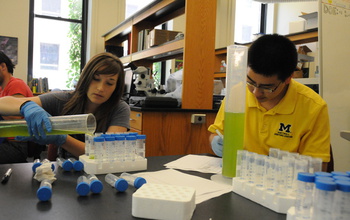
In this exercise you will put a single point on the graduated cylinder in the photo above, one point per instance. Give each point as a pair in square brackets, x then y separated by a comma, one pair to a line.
[67, 124]
[236, 77]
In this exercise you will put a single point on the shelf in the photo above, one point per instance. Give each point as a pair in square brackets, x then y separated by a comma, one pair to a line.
[166, 50]
[308, 81]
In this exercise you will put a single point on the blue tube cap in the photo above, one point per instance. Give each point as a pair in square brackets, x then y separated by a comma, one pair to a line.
[83, 189]
[44, 193]
[121, 185]
[67, 165]
[35, 165]
[78, 165]
[96, 186]
[139, 181]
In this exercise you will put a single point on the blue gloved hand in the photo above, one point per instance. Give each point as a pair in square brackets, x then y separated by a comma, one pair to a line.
[58, 140]
[217, 145]
[37, 119]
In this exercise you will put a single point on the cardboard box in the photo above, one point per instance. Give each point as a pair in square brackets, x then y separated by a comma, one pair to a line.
[311, 20]
[158, 37]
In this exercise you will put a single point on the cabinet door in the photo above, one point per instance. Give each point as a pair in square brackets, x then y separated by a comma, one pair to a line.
[172, 133]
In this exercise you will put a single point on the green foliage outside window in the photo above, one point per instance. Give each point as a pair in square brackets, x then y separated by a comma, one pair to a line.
[74, 35]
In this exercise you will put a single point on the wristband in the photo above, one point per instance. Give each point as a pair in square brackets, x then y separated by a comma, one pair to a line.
[24, 104]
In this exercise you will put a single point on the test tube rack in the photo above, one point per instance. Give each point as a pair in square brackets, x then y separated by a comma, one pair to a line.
[161, 201]
[269, 199]
[91, 166]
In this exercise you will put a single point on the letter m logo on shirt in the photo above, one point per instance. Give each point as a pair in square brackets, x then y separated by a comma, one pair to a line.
[285, 128]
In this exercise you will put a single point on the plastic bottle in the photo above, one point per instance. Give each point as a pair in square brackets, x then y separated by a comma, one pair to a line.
[120, 148]
[140, 145]
[119, 184]
[44, 192]
[323, 200]
[83, 187]
[341, 204]
[96, 185]
[65, 164]
[77, 165]
[130, 146]
[303, 201]
[133, 180]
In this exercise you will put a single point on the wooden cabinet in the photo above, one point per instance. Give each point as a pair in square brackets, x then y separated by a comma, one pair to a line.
[172, 133]
[197, 47]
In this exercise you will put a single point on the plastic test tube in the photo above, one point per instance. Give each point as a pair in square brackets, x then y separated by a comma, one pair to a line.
[36, 164]
[96, 185]
[259, 169]
[274, 152]
[140, 145]
[110, 150]
[120, 147]
[83, 187]
[269, 173]
[88, 143]
[77, 164]
[341, 203]
[130, 146]
[44, 192]
[303, 201]
[338, 173]
[280, 181]
[323, 200]
[119, 184]
[133, 180]
[65, 164]
[289, 175]
[99, 142]
[239, 163]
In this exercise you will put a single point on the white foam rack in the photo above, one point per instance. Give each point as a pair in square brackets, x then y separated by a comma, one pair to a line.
[91, 166]
[269, 199]
[160, 201]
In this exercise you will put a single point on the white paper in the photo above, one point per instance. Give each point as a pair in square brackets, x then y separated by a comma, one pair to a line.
[200, 163]
[205, 189]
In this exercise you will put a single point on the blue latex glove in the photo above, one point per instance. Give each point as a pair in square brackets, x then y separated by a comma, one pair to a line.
[37, 119]
[217, 145]
[58, 140]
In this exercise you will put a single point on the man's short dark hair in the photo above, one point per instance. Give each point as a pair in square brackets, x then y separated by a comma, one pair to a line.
[271, 55]
[5, 59]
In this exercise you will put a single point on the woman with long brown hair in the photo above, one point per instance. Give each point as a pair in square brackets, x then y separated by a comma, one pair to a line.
[98, 91]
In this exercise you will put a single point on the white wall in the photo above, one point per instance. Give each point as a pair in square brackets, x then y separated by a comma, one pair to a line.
[14, 16]
[286, 12]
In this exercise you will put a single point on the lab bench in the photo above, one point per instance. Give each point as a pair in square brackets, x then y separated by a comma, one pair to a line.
[19, 200]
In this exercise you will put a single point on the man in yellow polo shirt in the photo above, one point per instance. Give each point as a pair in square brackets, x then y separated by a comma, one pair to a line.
[280, 112]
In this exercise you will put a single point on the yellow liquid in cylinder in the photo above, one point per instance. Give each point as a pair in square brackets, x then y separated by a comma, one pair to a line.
[233, 141]
[22, 130]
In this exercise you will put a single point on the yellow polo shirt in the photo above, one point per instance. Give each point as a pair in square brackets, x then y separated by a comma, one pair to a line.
[298, 123]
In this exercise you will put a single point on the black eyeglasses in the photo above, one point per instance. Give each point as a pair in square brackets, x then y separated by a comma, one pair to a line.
[264, 89]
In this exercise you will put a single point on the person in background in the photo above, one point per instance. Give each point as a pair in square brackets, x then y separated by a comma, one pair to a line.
[98, 91]
[280, 112]
[12, 151]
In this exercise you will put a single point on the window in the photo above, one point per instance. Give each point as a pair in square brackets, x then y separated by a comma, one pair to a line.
[57, 41]
[132, 6]
[49, 56]
[248, 20]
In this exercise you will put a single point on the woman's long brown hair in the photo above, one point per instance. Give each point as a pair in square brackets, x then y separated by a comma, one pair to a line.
[103, 64]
